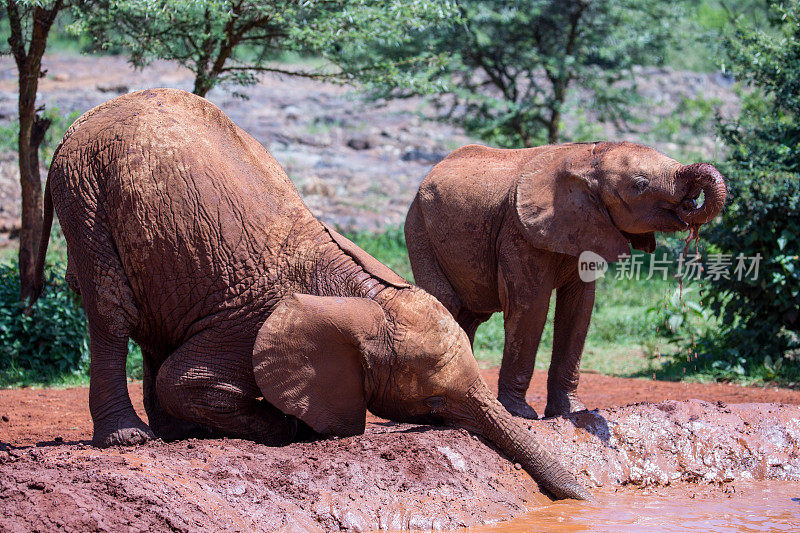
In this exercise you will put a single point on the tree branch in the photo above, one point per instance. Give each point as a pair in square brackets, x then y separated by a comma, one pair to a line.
[15, 40]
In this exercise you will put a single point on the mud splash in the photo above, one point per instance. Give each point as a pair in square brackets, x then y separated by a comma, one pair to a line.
[397, 476]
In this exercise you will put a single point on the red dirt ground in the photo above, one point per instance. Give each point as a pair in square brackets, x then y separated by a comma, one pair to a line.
[395, 476]
[42, 415]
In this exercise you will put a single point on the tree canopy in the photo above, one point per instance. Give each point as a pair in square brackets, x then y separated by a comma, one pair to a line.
[230, 42]
[511, 64]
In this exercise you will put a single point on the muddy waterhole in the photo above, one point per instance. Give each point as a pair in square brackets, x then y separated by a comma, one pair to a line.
[757, 506]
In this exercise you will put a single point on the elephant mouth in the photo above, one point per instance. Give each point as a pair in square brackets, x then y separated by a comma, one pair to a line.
[671, 221]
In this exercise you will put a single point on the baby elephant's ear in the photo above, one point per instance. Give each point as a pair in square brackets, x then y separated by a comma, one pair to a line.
[557, 209]
[308, 360]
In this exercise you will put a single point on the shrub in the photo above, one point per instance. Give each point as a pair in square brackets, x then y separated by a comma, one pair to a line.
[760, 331]
[50, 341]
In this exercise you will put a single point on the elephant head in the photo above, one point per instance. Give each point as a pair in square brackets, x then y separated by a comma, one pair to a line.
[602, 196]
[326, 360]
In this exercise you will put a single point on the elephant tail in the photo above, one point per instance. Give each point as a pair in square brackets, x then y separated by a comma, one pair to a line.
[44, 240]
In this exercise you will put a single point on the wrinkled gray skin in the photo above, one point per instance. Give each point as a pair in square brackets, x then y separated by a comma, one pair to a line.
[184, 234]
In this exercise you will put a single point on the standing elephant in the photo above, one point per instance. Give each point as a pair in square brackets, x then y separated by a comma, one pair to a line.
[255, 320]
[498, 230]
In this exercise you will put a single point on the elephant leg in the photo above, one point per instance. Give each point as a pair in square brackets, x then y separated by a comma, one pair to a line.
[523, 329]
[428, 273]
[469, 322]
[574, 303]
[164, 426]
[70, 277]
[209, 381]
[111, 312]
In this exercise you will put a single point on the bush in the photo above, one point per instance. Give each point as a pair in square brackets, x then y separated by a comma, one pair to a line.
[760, 331]
[49, 342]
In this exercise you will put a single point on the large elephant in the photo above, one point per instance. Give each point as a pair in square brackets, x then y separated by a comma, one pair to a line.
[256, 320]
[498, 230]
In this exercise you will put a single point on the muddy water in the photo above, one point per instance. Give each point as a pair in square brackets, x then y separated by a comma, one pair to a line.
[762, 506]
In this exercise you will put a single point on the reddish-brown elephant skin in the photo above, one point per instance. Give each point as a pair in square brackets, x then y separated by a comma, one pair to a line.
[255, 320]
[498, 230]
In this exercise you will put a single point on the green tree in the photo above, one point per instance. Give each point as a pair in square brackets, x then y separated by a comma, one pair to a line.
[29, 23]
[761, 317]
[512, 64]
[232, 41]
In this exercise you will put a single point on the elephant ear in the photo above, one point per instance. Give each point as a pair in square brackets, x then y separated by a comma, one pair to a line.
[645, 242]
[309, 356]
[557, 210]
[366, 261]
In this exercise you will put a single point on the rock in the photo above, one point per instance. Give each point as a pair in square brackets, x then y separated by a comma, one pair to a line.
[292, 112]
[119, 88]
[428, 156]
[360, 143]
[319, 187]
[37, 485]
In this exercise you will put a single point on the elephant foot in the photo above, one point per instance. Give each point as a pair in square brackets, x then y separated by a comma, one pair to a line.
[562, 405]
[124, 431]
[518, 407]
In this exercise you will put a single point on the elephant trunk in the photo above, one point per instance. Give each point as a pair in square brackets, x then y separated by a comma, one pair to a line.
[504, 431]
[703, 177]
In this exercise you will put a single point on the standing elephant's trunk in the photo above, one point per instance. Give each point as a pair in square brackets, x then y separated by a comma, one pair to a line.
[501, 428]
[703, 177]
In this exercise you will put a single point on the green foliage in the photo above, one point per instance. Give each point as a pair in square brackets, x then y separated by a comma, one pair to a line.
[511, 65]
[49, 342]
[761, 318]
[681, 316]
[388, 247]
[693, 118]
[230, 41]
[59, 122]
[702, 27]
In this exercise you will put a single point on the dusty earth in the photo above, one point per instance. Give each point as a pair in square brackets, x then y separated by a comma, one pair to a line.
[396, 476]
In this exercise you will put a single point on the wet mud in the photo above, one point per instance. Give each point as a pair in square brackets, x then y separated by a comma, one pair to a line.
[736, 507]
[395, 476]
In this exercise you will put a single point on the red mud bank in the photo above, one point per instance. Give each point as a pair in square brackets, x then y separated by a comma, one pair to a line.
[396, 476]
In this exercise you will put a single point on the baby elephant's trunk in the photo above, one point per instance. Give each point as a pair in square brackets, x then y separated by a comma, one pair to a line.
[706, 178]
[500, 427]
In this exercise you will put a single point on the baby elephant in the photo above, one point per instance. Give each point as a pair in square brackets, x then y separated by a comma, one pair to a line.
[498, 230]
[256, 320]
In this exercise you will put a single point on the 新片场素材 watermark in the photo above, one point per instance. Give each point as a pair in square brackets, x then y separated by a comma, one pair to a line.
[690, 267]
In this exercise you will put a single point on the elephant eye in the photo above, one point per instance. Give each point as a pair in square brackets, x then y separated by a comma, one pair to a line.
[435, 403]
[640, 183]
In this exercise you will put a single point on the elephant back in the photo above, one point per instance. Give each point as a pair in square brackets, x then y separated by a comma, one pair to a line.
[197, 208]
